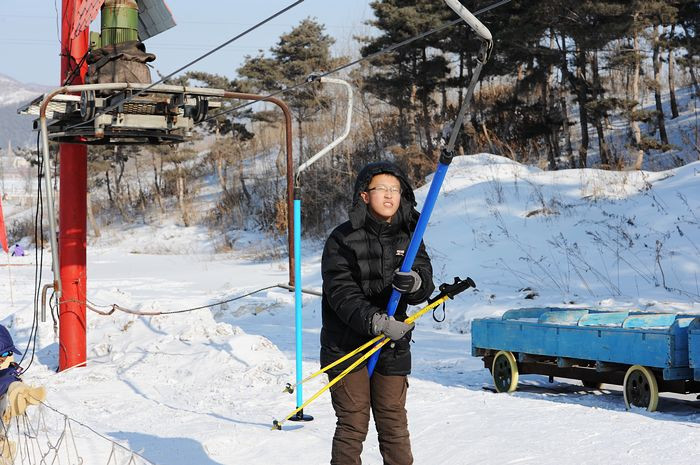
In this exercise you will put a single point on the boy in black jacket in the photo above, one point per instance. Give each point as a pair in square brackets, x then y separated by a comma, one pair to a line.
[359, 267]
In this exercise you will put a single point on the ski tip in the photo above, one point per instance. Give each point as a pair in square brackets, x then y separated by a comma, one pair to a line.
[289, 388]
[276, 425]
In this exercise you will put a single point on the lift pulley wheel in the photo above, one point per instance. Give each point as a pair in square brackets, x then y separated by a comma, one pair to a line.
[87, 105]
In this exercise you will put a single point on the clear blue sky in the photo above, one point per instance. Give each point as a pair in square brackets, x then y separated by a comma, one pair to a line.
[29, 37]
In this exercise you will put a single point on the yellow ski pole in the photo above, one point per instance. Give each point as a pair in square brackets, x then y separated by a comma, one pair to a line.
[290, 387]
[278, 424]
[447, 291]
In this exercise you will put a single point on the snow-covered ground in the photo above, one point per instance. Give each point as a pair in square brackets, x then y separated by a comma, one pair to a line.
[203, 387]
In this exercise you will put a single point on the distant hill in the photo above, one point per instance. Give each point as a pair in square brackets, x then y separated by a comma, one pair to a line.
[13, 127]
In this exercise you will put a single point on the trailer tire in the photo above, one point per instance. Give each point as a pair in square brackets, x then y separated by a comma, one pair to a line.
[640, 388]
[505, 371]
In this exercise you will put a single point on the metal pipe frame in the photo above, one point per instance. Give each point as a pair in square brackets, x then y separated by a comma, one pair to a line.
[338, 140]
[300, 416]
[290, 167]
[167, 89]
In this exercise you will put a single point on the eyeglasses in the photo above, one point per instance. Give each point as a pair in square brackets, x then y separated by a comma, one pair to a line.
[7, 353]
[382, 189]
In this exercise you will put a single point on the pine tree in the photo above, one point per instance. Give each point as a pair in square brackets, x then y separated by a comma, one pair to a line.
[407, 77]
[689, 22]
[525, 48]
[298, 54]
[652, 16]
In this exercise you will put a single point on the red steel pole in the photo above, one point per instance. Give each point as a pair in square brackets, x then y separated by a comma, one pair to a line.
[72, 238]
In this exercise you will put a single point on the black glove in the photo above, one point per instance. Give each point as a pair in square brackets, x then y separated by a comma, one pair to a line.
[390, 327]
[406, 282]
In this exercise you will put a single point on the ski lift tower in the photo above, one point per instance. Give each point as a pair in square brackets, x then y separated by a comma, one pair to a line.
[118, 106]
[76, 121]
[72, 242]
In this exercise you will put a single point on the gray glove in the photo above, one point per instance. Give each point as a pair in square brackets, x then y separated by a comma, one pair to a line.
[406, 282]
[390, 327]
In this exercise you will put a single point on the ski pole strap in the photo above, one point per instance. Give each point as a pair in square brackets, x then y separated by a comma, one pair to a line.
[444, 314]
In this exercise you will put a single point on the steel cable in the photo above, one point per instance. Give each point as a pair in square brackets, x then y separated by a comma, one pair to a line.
[116, 307]
[391, 48]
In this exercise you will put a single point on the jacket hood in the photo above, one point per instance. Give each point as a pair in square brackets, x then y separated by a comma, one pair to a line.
[6, 342]
[406, 216]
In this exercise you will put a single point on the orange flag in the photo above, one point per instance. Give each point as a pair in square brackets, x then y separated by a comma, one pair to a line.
[3, 232]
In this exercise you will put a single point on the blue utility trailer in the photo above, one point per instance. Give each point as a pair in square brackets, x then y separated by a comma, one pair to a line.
[694, 347]
[643, 352]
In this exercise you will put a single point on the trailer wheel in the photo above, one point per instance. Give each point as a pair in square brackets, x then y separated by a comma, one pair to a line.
[640, 388]
[505, 371]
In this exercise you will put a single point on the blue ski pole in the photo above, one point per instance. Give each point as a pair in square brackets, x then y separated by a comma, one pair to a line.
[445, 159]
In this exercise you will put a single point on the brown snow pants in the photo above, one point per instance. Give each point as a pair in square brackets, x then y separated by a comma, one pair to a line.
[352, 398]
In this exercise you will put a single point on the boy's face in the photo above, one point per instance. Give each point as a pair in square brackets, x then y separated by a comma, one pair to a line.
[383, 196]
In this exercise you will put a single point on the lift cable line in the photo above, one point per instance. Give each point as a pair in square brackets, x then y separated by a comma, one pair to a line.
[391, 48]
[182, 68]
[38, 262]
[115, 307]
[109, 309]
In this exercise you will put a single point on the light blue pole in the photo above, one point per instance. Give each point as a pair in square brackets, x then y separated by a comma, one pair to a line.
[421, 226]
[297, 244]
[297, 294]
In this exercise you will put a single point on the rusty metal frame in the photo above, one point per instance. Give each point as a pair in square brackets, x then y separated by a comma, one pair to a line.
[163, 88]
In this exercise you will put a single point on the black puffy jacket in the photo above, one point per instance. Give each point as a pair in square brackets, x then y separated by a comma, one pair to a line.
[359, 261]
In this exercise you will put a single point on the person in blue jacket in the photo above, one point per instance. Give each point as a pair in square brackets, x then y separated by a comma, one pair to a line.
[9, 372]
